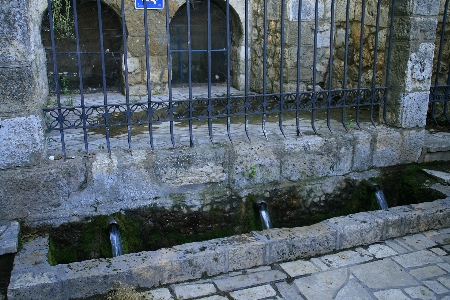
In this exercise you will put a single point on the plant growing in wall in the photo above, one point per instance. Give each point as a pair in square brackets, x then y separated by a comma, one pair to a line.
[62, 20]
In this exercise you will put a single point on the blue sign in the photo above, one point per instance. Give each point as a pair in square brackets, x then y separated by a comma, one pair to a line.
[151, 4]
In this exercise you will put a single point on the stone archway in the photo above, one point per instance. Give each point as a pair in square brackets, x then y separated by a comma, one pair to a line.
[90, 49]
[199, 42]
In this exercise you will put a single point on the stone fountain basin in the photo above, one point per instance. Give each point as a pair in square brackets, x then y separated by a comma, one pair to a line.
[34, 278]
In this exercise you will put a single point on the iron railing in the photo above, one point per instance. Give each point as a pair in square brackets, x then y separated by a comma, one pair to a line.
[300, 87]
[440, 88]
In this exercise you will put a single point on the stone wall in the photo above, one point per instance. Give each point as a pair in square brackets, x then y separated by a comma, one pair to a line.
[199, 178]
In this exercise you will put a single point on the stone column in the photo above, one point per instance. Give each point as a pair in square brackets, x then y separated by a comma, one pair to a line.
[23, 84]
[415, 24]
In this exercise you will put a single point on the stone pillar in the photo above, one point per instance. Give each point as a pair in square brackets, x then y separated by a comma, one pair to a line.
[23, 85]
[415, 24]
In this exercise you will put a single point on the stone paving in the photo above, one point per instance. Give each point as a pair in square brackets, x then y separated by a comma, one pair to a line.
[412, 267]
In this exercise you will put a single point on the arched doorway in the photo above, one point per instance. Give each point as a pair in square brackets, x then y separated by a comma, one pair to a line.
[89, 33]
[199, 43]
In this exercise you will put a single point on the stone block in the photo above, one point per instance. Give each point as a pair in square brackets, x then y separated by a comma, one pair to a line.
[393, 223]
[253, 164]
[425, 7]
[362, 150]
[289, 244]
[304, 158]
[244, 251]
[430, 215]
[9, 237]
[413, 141]
[387, 151]
[201, 259]
[357, 229]
[418, 76]
[307, 10]
[21, 141]
[36, 284]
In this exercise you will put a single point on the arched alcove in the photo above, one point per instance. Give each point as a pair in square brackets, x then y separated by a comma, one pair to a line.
[89, 34]
[199, 42]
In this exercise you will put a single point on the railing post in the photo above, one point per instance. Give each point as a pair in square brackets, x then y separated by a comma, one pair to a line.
[413, 46]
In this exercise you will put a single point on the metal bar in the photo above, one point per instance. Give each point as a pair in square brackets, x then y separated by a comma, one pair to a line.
[228, 70]
[375, 60]
[281, 100]
[247, 74]
[388, 64]
[299, 43]
[83, 110]
[189, 44]
[125, 61]
[149, 87]
[105, 96]
[330, 66]
[169, 74]
[361, 45]
[314, 95]
[344, 82]
[263, 123]
[210, 105]
[56, 75]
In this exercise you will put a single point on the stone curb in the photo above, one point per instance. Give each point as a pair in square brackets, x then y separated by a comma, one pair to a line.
[33, 278]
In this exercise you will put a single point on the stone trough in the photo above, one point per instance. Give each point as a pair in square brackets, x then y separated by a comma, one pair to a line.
[34, 278]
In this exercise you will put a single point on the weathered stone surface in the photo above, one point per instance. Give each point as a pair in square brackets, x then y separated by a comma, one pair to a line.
[346, 258]
[417, 259]
[357, 229]
[186, 291]
[382, 274]
[9, 237]
[241, 281]
[288, 244]
[258, 292]
[21, 141]
[322, 286]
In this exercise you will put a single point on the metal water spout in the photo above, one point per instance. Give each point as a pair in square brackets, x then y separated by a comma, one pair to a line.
[379, 195]
[265, 218]
[114, 237]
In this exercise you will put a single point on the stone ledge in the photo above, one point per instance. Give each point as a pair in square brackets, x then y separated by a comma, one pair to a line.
[33, 278]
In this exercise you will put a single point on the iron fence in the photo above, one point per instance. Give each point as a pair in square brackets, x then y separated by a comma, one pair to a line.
[440, 88]
[281, 61]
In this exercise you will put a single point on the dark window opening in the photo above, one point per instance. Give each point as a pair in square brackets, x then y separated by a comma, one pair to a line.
[199, 44]
[89, 34]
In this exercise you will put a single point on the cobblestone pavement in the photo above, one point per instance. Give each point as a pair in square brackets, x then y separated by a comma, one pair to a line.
[411, 267]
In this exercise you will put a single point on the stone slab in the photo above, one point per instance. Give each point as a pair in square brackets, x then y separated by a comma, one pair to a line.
[391, 295]
[427, 272]
[9, 237]
[289, 291]
[420, 292]
[435, 286]
[299, 267]
[186, 291]
[418, 241]
[444, 176]
[381, 251]
[346, 258]
[241, 281]
[322, 286]
[383, 274]
[417, 259]
[258, 292]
